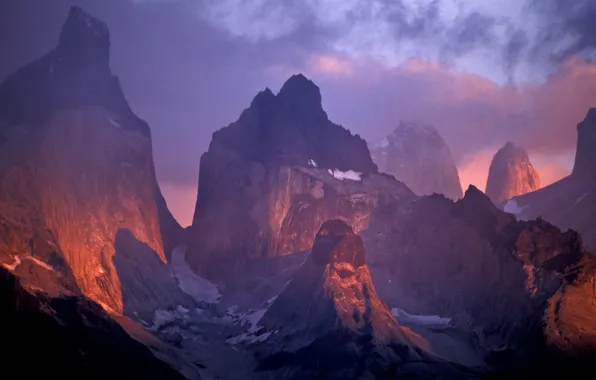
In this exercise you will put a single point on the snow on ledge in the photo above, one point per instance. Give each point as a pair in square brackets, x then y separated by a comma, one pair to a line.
[14, 265]
[350, 175]
[18, 260]
[433, 321]
[312, 163]
[195, 286]
[511, 207]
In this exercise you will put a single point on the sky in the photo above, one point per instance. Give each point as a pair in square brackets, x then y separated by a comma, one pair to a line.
[483, 72]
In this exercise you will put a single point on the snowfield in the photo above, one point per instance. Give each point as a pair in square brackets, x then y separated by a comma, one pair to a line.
[195, 286]
[430, 321]
[350, 175]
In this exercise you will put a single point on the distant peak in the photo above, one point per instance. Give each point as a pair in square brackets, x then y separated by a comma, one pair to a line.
[473, 191]
[511, 151]
[336, 242]
[84, 36]
[300, 90]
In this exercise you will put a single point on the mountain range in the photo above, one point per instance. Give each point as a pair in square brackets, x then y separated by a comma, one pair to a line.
[304, 259]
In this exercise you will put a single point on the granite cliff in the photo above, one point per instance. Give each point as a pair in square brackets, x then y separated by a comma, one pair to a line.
[270, 179]
[417, 155]
[510, 174]
[81, 208]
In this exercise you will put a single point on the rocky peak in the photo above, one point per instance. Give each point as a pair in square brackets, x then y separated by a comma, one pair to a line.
[478, 211]
[302, 93]
[291, 128]
[331, 298]
[75, 74]
[337, 243]
[85, 39]
[417, 155]
[83, 157]
[511, 173]
[585, 156]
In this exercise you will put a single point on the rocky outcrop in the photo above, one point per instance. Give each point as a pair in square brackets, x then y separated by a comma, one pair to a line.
[513, 284]
[68, 337]
[511, 174]
[568, 202]
[76, 169]
[269, 180]
[330, 323]
[417, 155]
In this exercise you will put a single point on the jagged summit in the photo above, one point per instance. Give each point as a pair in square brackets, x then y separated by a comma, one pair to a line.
[76, 73]
[303, 93]
[86, 36]
[585, 155]
[291, 128]
[417, 155]
[511, 173]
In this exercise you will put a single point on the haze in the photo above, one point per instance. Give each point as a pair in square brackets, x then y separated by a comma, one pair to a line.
[481, 72]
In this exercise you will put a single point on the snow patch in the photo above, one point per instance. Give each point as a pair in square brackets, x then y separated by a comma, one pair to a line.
[341, 175]
[511, 207]
[581, 198]
[433, 321]
[195, 286]
[18, 260]
[114, 122]
[14, 265]
[39, 262]
[162, 317]
[312, 163]
[250, 318]
[248, 338]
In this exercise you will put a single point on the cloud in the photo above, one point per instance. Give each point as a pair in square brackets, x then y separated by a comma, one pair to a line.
[568, 26]
[503, 40]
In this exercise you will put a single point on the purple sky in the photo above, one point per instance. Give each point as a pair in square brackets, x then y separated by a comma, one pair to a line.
[482, 72]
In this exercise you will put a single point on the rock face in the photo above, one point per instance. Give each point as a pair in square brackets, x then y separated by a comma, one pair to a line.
[69, 337]
[418, 156]
[329, 322]
[511, 174]
[516, 285]
[568, 202]
[77, 176]
[269, 180]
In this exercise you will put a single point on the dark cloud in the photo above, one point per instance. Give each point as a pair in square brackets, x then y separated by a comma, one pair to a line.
[568, 27]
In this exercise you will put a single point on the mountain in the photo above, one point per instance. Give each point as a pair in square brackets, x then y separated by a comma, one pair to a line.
[68, 337]
[81, 211]
[329, 322]
[519, 288]
[511, 173]
[568, 202]
[417, 155]
[270, 179]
